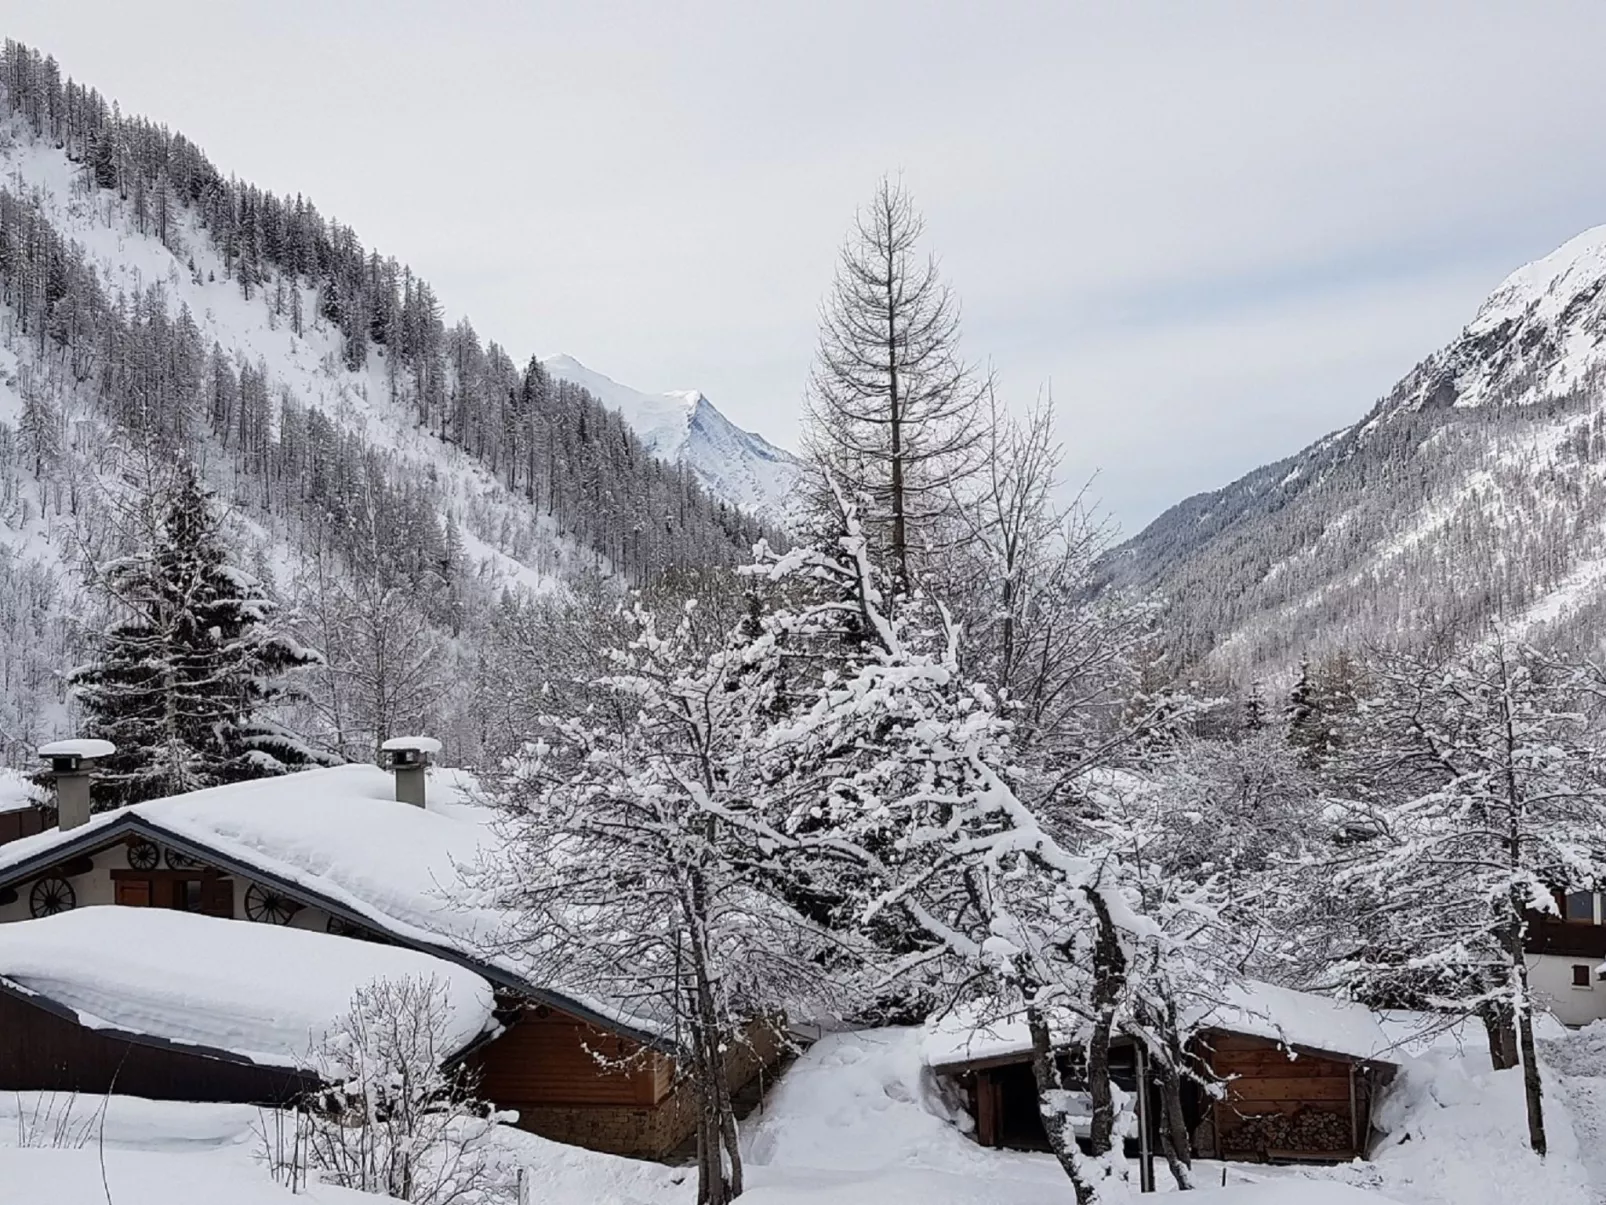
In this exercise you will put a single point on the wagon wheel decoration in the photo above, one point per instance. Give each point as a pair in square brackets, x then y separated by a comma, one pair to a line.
[268, 906]
[178, 861]
[50, 896]
[143, 855]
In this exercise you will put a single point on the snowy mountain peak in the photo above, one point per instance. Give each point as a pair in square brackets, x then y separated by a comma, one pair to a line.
[1548, 284]
[1475, 489]
[683, 426]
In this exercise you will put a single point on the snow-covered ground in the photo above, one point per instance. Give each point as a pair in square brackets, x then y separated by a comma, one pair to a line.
[857, 1121]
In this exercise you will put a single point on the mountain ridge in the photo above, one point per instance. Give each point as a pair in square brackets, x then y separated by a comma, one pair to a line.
[1474, 491]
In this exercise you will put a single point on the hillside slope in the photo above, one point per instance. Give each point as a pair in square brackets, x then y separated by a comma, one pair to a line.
[370, 452]
[684, 427]
[1476, 489]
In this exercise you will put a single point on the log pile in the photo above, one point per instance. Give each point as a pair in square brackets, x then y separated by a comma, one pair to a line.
[1307, 1130]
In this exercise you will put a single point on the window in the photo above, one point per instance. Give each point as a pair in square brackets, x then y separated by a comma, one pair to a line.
[1581, 975]
[187, 895]
[1581, 907]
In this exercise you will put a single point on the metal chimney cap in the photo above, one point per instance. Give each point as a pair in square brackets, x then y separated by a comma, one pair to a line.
[69, 756]
[404, 751]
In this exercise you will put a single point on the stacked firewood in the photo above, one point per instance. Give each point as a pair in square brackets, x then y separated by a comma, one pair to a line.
[1307, 1130]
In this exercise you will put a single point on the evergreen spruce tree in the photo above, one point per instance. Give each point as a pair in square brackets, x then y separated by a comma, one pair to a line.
[182, 676]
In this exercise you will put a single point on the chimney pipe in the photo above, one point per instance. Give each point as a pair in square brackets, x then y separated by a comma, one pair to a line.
[409, 758]
[72, 765]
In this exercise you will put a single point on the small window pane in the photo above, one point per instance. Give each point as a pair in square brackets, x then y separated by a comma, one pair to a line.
[1581, 905]
[1580, 975]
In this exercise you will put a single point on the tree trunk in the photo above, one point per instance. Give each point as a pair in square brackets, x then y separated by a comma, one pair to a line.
[1051, 1100]
[1175, 1141]
[1109, 976]
[1502, 1034]
[1533, 1091]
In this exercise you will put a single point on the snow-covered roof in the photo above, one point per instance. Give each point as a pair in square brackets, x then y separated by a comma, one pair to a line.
[263, 993]
[83, 747]
[16, 792]
[338, 837]
[1257, 1009]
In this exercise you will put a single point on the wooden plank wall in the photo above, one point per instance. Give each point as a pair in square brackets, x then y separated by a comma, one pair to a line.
[40, 1051]
[549, 1057]
[1264, 1079]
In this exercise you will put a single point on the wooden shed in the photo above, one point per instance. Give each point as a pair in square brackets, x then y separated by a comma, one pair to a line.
[1300, 1075]
[1285, 1102]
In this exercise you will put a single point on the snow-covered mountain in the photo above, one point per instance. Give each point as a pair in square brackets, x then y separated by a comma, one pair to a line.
[359, 440]
[684, 427]
[1475, 490]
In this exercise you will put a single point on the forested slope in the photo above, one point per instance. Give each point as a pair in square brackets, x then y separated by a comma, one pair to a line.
[1475, 490]
[377, 457]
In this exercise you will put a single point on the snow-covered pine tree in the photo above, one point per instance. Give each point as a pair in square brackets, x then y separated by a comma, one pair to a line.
[187, 671]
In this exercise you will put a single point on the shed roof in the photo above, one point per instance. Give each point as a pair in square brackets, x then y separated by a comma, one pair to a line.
[961, 1041]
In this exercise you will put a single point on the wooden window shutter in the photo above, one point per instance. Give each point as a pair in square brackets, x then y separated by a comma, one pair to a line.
[134, 893]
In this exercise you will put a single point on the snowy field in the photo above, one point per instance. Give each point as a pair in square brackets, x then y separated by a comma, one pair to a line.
[853, 1121]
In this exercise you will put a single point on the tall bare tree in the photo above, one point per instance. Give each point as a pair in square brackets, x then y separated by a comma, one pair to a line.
[893, 412]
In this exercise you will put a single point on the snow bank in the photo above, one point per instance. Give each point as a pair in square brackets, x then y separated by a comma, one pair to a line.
[261, 992]
[1457, 1135]
[87, 1177]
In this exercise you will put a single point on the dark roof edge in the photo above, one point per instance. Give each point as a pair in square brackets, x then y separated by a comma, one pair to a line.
[27, 995]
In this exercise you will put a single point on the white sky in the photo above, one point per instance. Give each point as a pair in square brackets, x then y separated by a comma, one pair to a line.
[1220, 229]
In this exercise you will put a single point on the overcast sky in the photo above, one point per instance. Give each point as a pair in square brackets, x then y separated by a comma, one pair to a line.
[1220, 230]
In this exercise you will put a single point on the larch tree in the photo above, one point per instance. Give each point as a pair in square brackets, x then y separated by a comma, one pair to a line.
[893, 412]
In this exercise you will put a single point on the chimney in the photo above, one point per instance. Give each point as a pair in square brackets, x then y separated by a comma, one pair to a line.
[409, 757]
[72, 764]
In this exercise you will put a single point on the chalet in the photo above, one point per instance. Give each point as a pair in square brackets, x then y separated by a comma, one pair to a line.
[362, 854]
[1566, 950]
[174, 1005]
[1302, 1075]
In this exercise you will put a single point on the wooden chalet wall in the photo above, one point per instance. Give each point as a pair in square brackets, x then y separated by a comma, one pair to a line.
[1312, 1106]
[41, 1051]
[546, 1066]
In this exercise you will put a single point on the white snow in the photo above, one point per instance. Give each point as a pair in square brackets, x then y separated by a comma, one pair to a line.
[16, 792]
[411, 744]
[1255, 1008]
[858, 1119]
[261, 992]
[88, 1176]
[339, 833]
[1548, 283]
[683, 426]
[82, 747]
